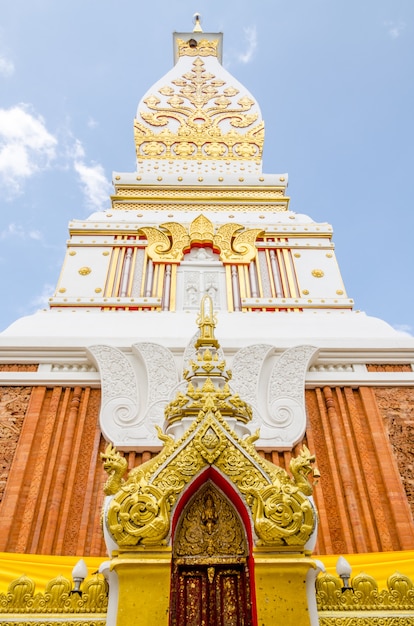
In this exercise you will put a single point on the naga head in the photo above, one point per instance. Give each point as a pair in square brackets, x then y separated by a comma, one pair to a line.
[301, 467]
[115, 465]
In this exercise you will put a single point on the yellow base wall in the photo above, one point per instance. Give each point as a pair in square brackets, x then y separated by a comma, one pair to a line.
[144, 587]
[281, 589]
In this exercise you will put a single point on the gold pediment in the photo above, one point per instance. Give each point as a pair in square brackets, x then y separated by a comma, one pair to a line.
[141, 510]
[197, 116]
[234, 243]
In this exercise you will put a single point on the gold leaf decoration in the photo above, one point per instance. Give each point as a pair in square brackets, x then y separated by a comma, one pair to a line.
[200, 112]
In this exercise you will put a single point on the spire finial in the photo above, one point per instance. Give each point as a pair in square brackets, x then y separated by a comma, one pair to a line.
[197, 23]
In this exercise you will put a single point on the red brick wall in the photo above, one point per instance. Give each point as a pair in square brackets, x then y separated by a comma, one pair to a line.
[53, 497]
[362, 503]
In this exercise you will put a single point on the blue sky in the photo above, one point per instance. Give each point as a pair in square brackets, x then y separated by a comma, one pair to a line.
[335, 82]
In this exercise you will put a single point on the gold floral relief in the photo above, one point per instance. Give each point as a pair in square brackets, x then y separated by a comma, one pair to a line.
[209, 526]
[140, 512]
[200, 111]
[201, 230]
[169, 243]
[202, 48]
[364, 594]
[57, 597]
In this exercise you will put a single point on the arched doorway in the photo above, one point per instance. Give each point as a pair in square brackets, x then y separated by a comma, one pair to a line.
[210, 583]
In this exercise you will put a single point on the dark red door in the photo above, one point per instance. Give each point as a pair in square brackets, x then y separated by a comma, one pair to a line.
[207, 595]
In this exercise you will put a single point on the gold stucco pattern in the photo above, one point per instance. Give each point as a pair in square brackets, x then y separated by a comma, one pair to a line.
[210, 527]
[57, 598]
[364, 604]
[140, 511]
[168, 243]
[199, 118]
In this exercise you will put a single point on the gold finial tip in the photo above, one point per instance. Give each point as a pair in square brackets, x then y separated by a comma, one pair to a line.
[197, 23]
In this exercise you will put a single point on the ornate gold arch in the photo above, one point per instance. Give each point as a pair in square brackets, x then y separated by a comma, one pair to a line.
[169, 243]
[140, 512]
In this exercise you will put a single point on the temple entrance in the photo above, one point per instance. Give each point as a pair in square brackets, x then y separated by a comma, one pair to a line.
[210, 576]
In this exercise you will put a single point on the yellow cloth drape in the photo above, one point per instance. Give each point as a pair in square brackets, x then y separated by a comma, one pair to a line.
[379, 565]
[41, 568]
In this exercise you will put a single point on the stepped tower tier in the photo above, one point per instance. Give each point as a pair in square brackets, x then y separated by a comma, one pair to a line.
[198, 117]
[198, 216]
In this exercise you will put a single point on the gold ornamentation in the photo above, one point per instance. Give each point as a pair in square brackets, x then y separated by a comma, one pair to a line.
[72, 253]
[301, 467]
[140, 510]
[164, 248]
[318, 273]
[115, 466]
[203, 111]
[140, 515]
[305, 292]
[193, 48]
[98, 290]
[201, 230]
[209, 526]
[210, 441]
[84, 271]
[170, 246]
[62, 290]
[281, 517]
[340, 292]
[365, 596]
[366, 620]
[21, 597]
[234, 248]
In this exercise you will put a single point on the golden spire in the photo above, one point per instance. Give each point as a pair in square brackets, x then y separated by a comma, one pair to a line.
[197, 23]
[208, 380]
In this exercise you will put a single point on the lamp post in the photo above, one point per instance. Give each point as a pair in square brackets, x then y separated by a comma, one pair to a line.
[79, 573]
[343, 569]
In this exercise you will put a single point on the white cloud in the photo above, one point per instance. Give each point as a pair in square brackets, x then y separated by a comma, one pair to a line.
[6, 66]
[95, 186]
[394, 29]
[16, 230]
[26, 146]
[405, 329]
[250, 35]
[41, 301]
[92, 123]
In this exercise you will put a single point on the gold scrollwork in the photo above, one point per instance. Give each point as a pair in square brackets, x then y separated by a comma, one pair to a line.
[202, 48]
[203, 113]
[169, 246]
[365, 595]
[21, 597]
[140, 515]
